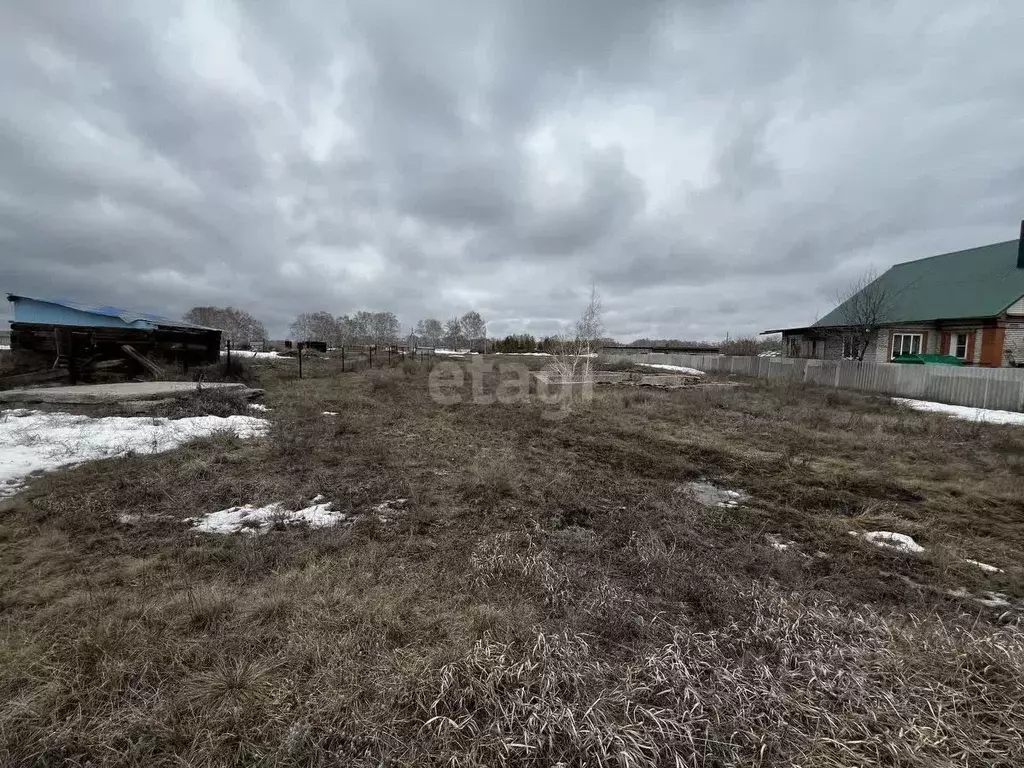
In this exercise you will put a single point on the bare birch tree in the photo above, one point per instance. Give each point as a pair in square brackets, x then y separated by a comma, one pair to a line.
[474, 328]
[239, 327]
[864, 306]
[315, 326]
[453, 333]
[573, 359]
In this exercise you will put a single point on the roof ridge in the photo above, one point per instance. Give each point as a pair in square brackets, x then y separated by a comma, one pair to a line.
[954, 253]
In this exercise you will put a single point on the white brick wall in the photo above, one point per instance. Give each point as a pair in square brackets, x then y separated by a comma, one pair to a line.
[931, 342]
[1015, 340]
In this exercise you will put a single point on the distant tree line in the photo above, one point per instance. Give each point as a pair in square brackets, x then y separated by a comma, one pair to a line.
[359, 328]
[237, 325]
[671, 343]
[470, 330]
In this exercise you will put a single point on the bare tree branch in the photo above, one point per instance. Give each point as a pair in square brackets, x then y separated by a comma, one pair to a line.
[863, 306]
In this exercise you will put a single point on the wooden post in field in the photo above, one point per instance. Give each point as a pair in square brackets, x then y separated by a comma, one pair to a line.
[342, 359]
[389, 357]
[300, 359]
[72, 365]
[227, 365]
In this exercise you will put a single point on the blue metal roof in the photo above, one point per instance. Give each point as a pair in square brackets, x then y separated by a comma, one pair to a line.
[137, 319]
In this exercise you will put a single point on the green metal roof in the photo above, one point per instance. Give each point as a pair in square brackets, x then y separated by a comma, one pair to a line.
[976, 283]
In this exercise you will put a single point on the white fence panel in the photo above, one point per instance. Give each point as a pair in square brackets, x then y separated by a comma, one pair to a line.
[999, 388]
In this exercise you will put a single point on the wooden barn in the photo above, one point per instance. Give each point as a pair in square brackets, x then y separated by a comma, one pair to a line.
[86, 342]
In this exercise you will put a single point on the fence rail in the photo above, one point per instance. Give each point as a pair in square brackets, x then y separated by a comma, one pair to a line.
[999, 388]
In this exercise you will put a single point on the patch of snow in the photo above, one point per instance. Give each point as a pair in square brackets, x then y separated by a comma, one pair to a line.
[253, 355]
[330, 413]
[125, 519]
[259, 407]
[262, 519]
[525, 354]
[987, 598]
[34, 441]
[390, 505]
[710, 495]
[777, 543]
[994, 600]
[898, 541]
[674, 368]
[986, 415]
[4, 346]
[985, 566]
[453, 352]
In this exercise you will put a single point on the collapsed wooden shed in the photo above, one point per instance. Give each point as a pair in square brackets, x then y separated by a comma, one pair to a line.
[83, 342]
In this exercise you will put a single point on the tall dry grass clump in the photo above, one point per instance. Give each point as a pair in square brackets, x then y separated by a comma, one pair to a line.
[798, 682]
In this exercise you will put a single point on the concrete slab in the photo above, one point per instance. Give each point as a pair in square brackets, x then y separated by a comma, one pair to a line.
[116, 393]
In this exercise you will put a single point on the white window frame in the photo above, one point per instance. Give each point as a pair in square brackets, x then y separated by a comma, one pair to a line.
[954, 345]
[897, 350]
[854, 346]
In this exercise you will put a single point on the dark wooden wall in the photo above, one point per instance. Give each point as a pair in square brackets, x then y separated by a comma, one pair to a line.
[80, 346]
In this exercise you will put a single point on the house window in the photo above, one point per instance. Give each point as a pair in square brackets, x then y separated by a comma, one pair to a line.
[960, 345]
[906, 344]
[851, 348]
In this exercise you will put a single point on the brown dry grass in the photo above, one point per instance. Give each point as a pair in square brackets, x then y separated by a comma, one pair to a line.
[549, 594]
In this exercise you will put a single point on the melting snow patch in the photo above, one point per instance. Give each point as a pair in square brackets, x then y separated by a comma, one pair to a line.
[330, 413]
[985, 566]
[964, 412]
[259, 407]
[710, 495]
[33, 441]
[263, 519]
[674, 368]
[250, 355]
[777, 543]
[994, 600]
[898, 541]
[388, 507]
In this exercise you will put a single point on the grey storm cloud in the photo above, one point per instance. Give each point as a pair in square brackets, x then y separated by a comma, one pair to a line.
[713, 167]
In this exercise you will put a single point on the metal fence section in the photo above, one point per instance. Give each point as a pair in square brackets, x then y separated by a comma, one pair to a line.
[999, 388]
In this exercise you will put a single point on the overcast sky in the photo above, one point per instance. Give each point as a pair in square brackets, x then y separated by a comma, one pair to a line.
[713, 166]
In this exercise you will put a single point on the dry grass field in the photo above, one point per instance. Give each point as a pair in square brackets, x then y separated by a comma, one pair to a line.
[548, 592]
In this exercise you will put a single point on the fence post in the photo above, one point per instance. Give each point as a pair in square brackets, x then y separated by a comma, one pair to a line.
[300, 359]
[342, 359]
[227, 365]
[72, 364]
[389, 357]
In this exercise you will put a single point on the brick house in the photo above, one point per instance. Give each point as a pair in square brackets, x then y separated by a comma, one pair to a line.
[969, 304]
